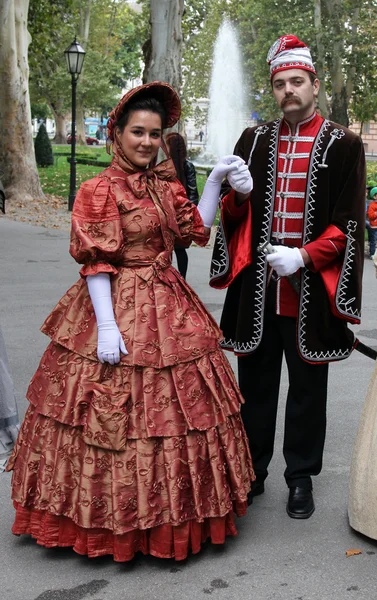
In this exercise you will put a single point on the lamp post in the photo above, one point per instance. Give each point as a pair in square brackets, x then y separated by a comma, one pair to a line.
[74, 55]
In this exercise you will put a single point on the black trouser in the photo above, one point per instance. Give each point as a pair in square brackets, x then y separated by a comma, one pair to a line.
[182, 260]
[305, 414]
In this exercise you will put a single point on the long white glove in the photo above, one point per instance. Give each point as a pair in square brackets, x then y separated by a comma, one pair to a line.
[240, 179]
[211, 193]
[110, 342]
[285, 261]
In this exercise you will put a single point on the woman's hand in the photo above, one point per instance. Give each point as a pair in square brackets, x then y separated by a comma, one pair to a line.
[211, 193]
[110, 343]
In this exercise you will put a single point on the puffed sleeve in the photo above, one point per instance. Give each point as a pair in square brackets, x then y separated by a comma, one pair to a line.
[96, 232]
[190, 223]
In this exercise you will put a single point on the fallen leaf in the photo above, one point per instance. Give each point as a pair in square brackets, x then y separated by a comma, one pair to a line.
[353, 552]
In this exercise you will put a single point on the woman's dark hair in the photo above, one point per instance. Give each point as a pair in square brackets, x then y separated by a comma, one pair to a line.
[178, 153]
[140, 103]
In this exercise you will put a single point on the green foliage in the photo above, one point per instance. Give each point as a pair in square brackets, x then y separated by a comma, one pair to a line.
[40, 111]
[52, 27]
[113, 52]
[200, 24]
[193, 153]
[372, 173]
[43, 148]
[348, 37]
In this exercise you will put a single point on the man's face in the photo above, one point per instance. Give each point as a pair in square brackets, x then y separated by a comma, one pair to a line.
[294, 93]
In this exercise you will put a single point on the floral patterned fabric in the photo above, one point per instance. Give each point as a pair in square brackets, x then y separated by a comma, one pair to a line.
[149, 454]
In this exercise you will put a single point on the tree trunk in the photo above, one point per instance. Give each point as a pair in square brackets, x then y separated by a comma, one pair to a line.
[339, 103]
[351, 72]
[84, 35]
[80, 125]
[60, 126]
[18, 168]
[322, 99]
[166, 36]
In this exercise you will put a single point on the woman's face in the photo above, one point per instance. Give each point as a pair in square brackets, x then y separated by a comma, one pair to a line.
[141, 137]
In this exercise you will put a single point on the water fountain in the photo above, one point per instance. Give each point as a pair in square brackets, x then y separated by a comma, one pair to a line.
[227, 108]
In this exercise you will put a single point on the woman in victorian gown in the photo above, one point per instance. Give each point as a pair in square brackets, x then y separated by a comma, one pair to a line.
[133, 439]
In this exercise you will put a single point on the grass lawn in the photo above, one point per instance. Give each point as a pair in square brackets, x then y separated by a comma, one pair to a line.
[55, 179]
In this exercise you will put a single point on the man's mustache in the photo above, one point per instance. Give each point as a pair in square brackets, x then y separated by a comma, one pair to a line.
[289, 98]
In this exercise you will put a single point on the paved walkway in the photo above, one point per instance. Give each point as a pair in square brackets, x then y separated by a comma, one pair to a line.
[273, 557]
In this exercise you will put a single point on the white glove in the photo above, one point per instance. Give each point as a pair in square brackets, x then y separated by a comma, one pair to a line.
[211, 193]
[240, 179]
[285, 261]
[110, 342]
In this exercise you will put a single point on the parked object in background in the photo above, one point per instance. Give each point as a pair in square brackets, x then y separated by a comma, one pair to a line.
[2, 198]
[91, 141]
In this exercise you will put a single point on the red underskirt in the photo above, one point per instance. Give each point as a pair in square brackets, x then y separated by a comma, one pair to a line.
[164, 541]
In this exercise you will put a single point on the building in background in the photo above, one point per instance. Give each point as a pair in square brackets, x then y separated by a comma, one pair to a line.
[368, 135]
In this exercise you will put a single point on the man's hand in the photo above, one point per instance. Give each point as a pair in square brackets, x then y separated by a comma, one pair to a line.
[224, 166]
[240, 179]
[285, 261]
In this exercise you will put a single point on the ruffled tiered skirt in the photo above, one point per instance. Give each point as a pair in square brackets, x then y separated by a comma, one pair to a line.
[132, 457]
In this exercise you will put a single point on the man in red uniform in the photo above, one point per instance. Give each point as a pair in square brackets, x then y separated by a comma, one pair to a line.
[307, 176]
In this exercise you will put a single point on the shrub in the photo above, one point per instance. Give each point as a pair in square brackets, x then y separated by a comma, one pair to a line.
[43, 149]
[193, 153]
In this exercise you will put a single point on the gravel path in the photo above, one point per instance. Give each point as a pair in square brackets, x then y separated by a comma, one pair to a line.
[51, 213]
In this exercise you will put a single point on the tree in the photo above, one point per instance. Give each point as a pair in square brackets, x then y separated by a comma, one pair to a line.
[43, 149]
[85, 7]
[113, 54]
[165, 60]
[17, 159]
[52, 28]
[200, 24]
[334, 30]
[338, 32]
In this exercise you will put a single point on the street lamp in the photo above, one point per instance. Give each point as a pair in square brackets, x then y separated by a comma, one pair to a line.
[75, 55]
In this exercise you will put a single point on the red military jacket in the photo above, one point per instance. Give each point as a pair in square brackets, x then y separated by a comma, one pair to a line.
[331, 230]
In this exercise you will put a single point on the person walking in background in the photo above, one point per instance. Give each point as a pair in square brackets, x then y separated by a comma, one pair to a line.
[292, 254]
[133, 439]
[9, 421]
[186, 174]
[372, 219]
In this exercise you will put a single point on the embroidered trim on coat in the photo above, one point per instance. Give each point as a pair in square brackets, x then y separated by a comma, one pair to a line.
[261, 266]
[313, 356]
[220, 267]
[342, 303]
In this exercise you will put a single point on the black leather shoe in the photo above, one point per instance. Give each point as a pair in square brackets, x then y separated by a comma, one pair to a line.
[300, 503]
[257, 488]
